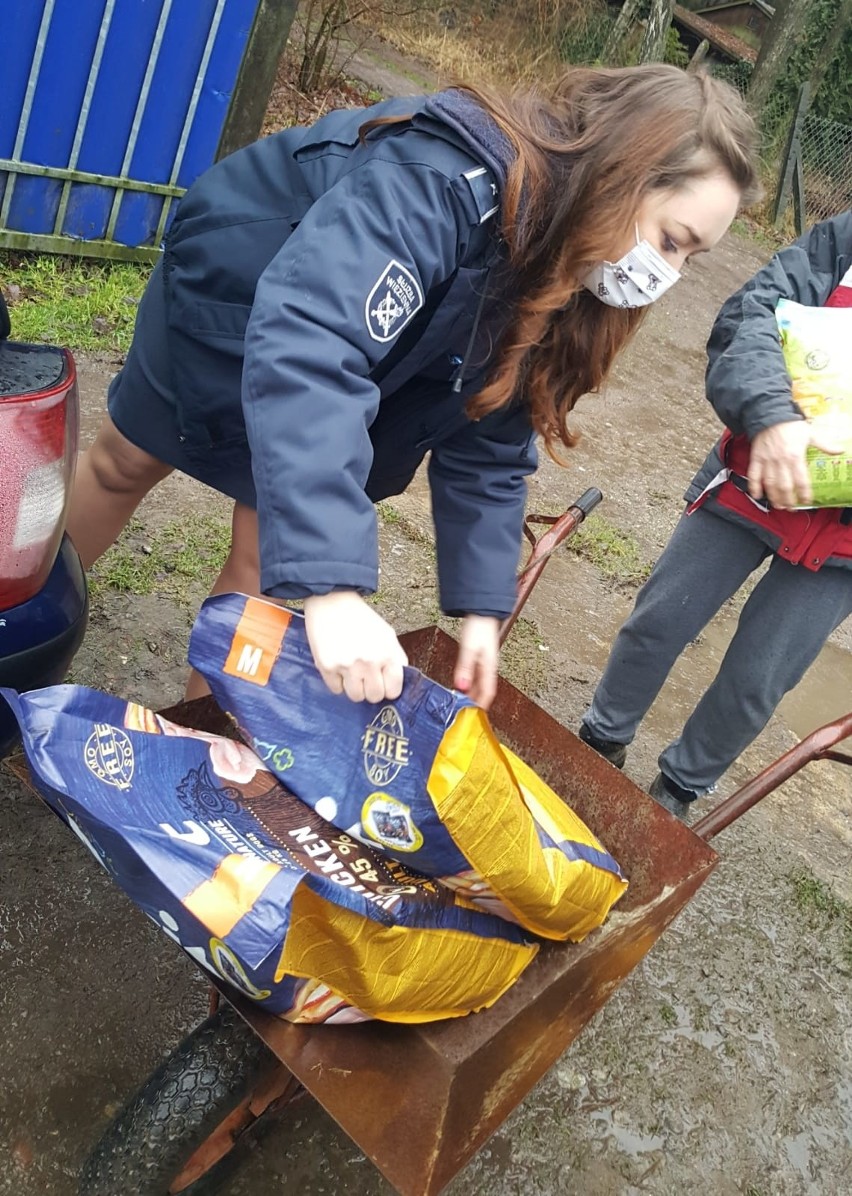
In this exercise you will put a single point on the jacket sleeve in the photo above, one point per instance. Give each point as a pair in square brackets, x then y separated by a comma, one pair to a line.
[316, 331]
[747, 381]
[477, 477]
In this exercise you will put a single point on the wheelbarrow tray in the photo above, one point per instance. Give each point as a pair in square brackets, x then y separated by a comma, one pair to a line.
[420, 1101]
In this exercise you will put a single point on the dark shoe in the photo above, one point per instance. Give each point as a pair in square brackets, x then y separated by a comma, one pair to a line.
[616, 753]
[671, 796]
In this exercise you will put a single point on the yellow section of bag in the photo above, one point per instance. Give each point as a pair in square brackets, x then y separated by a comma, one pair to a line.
[397, 973]
[491, 803]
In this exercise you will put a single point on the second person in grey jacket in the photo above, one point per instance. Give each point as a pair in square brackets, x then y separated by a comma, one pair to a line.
[741, 512]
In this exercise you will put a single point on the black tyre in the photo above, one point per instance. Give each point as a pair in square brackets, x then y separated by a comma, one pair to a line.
[198, 1096]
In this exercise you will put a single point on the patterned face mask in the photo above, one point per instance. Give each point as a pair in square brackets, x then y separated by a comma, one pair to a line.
[635, 280]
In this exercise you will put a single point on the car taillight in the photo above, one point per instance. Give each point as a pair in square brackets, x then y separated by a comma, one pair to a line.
[39, 425]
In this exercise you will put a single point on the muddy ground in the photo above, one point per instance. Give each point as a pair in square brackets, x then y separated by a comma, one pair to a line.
[722, 1066]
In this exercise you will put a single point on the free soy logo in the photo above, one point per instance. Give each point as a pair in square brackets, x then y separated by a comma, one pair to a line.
[109, 756]
[385, 747]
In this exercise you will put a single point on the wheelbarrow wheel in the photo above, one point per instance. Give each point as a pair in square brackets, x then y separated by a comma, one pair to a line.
[188, 1128]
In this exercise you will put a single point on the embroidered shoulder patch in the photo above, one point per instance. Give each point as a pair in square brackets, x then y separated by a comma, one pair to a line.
[395, 298]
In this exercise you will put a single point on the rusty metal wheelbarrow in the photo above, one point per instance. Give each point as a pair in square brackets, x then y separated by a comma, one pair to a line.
[419, 1101]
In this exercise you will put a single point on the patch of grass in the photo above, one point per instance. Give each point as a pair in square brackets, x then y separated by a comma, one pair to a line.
[185, 552]
[615, 553]
[762, 232]
[699, 1019]
[388, 514]
[125, 569]
[668, 1014]
[488, 43]
[66, 301]
[813, 896]
[523, 658]
[816, 901]
[391, 516]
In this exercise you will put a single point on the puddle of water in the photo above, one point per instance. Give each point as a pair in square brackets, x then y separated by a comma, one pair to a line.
[823, 695]
[711, 1040]
[627, 1141]
[844, 1096]
[806, 1151]
[798, 1151]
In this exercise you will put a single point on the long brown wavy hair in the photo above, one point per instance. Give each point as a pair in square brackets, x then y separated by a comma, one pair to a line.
[587, 152]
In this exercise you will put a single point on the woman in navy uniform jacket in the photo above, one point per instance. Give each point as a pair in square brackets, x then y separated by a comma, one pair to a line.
[443, 274]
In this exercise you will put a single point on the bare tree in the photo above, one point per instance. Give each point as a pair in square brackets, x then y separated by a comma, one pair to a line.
[778, 43]
[328, 34]
[839, 28]
[267, 39]
[620, 29]
[656, 31]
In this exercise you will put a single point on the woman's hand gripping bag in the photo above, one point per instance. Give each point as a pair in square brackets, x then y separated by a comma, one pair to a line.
[252, 883]
[817, 346]
[422, 779]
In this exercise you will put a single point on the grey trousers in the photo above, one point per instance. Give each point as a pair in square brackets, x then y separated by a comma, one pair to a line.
[783, 625]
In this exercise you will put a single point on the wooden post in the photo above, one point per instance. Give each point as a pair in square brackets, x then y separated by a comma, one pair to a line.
[792, 154]
[266, 41]
[798, 193]
[698, 57]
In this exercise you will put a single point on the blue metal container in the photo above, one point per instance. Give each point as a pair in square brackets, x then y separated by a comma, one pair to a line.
[110, 109]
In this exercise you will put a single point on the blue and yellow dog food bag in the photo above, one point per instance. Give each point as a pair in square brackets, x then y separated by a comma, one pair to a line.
[423, 779]
[253, 884]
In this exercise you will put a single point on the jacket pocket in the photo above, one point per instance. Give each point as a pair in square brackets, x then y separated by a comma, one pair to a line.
[215, 323]
[207, 343]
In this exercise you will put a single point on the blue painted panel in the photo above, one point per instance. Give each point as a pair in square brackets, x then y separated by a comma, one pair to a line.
[71, 41]
[110, 119]
[154, 158]
[20, 30]
[57, 106]
[219, 83]
[162, 124]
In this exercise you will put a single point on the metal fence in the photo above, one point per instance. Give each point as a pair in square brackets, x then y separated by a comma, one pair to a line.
[824, 148]
[110, 109]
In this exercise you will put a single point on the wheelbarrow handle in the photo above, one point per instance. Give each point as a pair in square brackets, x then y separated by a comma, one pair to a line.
[544, 546]
[819, 745]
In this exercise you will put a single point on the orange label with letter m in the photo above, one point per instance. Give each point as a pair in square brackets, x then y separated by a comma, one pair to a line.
[257, 641]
